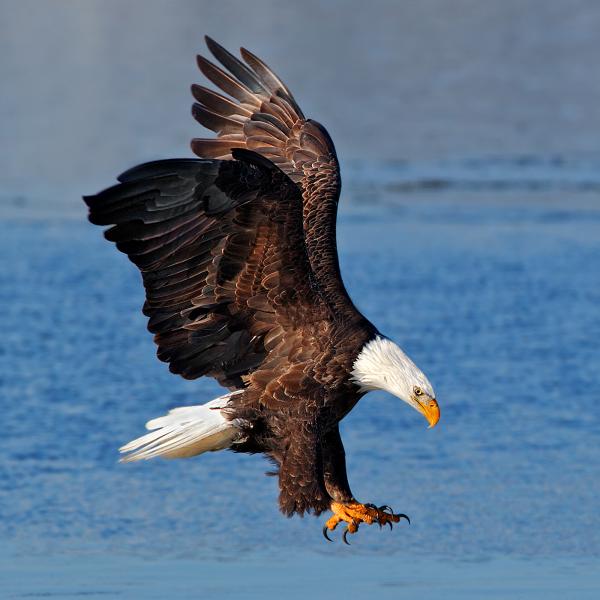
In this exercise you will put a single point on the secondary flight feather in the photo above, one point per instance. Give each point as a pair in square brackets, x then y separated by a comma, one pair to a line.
[238, 256]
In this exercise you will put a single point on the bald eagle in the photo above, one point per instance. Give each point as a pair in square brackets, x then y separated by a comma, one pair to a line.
[238, 256]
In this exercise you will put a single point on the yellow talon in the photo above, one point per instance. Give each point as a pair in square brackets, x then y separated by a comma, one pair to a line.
[355, 513]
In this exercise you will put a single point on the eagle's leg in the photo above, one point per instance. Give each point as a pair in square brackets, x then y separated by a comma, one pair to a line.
[301, 486]
[343, 505]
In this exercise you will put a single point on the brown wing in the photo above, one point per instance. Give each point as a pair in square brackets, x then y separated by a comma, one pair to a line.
[220, 248]
[258, 112]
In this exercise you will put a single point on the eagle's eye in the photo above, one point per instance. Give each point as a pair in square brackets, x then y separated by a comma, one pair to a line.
[418, 391]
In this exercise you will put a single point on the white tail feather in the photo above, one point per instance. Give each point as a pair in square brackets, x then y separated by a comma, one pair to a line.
[186, 431]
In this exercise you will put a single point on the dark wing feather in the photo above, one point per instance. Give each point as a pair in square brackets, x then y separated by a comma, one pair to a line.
[219, 245]
[263, 116]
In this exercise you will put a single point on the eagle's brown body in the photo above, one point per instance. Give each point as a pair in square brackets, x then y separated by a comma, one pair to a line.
[238, 255]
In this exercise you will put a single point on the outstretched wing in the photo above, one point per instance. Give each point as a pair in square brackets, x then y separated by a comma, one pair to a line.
[258, 112]
[220, 248]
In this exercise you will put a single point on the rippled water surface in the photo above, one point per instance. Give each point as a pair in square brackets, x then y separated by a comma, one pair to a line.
[469, 232]
[496, 300]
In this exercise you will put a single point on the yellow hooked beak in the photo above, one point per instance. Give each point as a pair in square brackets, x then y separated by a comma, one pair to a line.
[429, 407]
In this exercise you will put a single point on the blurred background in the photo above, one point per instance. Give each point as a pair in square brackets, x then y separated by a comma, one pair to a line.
[469, 231]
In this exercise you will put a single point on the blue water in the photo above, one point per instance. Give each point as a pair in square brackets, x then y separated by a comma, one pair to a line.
[496, 300]
[469, 232]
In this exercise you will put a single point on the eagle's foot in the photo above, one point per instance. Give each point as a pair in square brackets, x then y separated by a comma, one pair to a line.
[355, 513]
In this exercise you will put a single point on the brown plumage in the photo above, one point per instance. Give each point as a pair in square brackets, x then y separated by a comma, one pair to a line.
[238, 256]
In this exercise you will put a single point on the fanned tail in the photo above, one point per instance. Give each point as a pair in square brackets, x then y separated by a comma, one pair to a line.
[186, 431]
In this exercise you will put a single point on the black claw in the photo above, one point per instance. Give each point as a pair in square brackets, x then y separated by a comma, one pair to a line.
[385, 508]
[405, 516]
[344, 537]
[325, 534]
[391, 526]
[371, 506]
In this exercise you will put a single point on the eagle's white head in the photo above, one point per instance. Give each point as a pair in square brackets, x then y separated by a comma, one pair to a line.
[382, 365]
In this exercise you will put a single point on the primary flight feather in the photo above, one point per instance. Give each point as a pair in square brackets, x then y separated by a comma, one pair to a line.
[238, 256]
